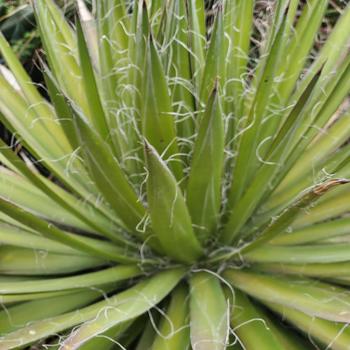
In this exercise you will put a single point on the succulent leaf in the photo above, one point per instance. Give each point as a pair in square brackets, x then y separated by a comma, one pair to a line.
[180, 179]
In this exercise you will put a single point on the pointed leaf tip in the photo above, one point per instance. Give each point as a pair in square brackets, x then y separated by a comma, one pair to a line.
[170, 219]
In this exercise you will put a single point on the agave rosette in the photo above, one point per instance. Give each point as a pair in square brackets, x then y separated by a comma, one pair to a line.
[198, 193]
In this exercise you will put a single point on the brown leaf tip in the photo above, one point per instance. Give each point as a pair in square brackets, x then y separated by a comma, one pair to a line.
[321, 189]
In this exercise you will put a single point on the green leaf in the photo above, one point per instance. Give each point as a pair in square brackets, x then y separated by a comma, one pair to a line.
[330, 54]
[21, 261]
[26, 195]
[287, 217]
[148, 333]
[108, 339]
[63, 110]
[125, 306]
[90, 217]
[105, 170]
[20, 118]
[322, 270]
[88, 25]
[174, 328]
[299, 34]
[158, 125]
[112, 26]
[287, 9]
[314, 233]
[334, 335]
[238, 22]
[197, 40]
[61, 50]
[209, 313]
[331, 205]
[18, 316]
[92, 279]
[251, 327]
[25, 238]
[19, 298]
[170, 218]
[287, 337]
[320, 152]
[178, 68]
[131, 302]
[40, 108]
[317, 113]
[90, 87]
[300, 44]
[309, 296]
[214, 68]
[245, 162]
[132, 98]
[204, 183]
[257, 190]
[305, 254]
[50, 231]
[157, 9]
[17, 114]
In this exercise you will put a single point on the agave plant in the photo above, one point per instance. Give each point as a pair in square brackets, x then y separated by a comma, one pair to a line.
[187, 184]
